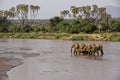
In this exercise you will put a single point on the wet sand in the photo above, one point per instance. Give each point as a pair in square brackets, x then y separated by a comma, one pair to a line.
[6, 64]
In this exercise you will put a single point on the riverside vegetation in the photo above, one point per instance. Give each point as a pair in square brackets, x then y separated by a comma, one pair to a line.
[83, 23]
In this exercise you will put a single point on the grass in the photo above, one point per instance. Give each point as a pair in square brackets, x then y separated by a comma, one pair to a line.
[65, 36]
[114, 37]
[77, 37]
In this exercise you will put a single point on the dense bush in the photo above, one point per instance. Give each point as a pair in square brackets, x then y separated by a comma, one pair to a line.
[88, 28]
[85, 27]
[63, 26]
[55, 20]
[115, 25]
[76, 25]
[4, 24]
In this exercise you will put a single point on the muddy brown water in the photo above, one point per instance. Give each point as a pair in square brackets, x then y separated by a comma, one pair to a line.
[52, 60]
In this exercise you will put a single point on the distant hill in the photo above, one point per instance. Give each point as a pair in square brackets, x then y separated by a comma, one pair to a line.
[36, 21]
[113, 10]
[118, 19]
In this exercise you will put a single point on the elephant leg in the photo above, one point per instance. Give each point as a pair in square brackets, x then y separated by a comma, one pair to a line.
[84, 53]
[71, 52]
[89, 53]
[74, 51]
[93, 54]
[97, 53]
[79, 53]
[101, 52]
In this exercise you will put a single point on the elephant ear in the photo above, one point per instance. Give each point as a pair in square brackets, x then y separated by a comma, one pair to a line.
[73, 45]
[87, 48]
[77, 45]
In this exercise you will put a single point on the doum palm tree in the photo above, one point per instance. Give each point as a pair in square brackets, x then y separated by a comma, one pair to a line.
[34, 12]
[22, 14]
[64, 13]
[74, 11]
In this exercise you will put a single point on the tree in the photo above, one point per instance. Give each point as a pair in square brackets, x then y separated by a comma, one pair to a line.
[74, 10]
[64, 13]
[4, 24]
[54, 21]
[94, 12]
[22, 13]
[11, 13]
[1, 14]
[115, 25]
[101, 27]
[87, 12]
[34, 11]
[63, 27]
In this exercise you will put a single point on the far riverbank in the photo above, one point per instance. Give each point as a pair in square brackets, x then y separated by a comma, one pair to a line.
[64, 36]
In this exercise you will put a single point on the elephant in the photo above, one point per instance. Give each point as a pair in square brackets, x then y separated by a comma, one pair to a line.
[75, 46]
[82, 49]
[78, 48]
[99, 47]
[91, 49]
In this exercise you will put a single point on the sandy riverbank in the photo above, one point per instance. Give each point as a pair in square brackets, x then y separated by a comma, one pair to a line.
[64, 36]
[6, 64]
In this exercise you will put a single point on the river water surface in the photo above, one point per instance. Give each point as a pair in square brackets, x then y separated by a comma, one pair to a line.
[52, 60]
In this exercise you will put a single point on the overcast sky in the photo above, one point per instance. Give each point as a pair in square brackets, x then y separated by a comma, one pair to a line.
[51, 8]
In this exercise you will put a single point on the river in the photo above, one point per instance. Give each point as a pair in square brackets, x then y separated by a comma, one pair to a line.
[52, 60]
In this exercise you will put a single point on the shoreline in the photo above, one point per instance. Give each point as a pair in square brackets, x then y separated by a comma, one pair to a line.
[6, 64]
[64, 36]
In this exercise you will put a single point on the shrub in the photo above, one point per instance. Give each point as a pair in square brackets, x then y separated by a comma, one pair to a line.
[63, 27]
[57, 36]
[76, 25]
[88, 27]
[114, 37]
[55, 20]
[4, 24]
[77, 38]
[115, 25]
